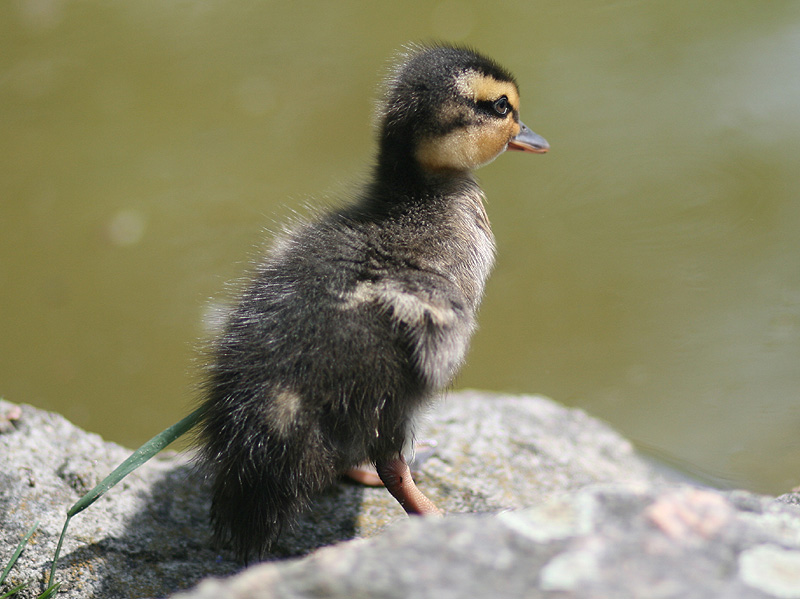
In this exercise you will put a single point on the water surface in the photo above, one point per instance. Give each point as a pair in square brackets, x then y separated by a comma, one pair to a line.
[648, 266]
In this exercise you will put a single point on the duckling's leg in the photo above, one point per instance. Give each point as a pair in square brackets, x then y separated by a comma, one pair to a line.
[396, 475]
[365, 474]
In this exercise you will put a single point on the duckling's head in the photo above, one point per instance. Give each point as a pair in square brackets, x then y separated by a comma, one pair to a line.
[450, 109]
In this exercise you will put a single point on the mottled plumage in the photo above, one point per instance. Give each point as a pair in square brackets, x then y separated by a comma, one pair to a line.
[355, 320]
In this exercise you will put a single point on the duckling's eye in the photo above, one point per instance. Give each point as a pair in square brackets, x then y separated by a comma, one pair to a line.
[501, 106]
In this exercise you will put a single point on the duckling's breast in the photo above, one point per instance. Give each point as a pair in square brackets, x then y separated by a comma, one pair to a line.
[425, 268]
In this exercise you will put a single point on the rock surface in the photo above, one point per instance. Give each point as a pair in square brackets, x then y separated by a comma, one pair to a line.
[599, 543]
[149, 537]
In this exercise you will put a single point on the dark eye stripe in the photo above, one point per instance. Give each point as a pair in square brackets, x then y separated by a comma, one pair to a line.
[499, 108]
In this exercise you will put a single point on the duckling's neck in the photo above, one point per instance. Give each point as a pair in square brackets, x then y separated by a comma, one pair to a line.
[399, 175]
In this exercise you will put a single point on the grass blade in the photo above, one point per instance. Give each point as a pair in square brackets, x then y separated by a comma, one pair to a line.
[50, 591]
[136, 459]
[13, 591]
[17, 552]
[58, 552]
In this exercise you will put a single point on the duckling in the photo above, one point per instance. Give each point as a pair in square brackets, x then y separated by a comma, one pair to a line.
[356, 319]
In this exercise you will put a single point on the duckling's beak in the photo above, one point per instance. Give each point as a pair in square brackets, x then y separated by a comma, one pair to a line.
[528, 141]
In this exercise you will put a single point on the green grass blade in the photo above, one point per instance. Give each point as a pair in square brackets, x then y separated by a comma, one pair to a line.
[17, 552]
[58, 552]
[50, 591]
[136, 459]
[13, 591]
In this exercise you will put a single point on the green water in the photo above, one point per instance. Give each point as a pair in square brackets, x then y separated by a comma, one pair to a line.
[649, 266]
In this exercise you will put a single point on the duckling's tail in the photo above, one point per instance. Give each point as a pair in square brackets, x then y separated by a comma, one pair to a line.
[262, 478]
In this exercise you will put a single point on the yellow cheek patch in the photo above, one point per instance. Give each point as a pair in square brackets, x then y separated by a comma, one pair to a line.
[467, 148]
[458, 150]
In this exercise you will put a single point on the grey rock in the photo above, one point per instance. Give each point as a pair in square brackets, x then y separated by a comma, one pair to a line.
[144, 538]
[793, 498]
[600, 542]
[149, 537]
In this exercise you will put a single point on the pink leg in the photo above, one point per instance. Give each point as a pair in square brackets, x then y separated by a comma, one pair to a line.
[364, 474]
[396, 475]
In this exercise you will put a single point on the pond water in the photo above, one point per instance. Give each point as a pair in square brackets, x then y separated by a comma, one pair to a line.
[648, 268]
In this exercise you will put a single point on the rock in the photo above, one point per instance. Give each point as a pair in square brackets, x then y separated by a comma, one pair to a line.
[145, 538]
[149, 535]
[577, 536]
[793, 498]
[603, 541]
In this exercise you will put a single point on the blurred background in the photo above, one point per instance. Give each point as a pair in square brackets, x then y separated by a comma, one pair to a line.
[648, 267]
